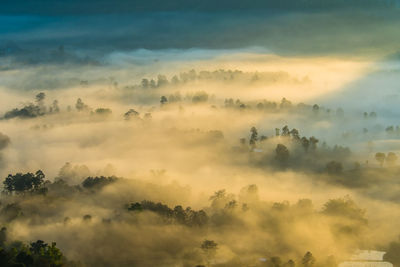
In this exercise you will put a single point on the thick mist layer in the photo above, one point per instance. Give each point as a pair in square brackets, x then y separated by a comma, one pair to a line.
[268, 138]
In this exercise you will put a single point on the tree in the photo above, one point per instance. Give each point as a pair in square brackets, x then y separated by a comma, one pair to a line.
[315, 109]
[87, 218]
[345, 208]
[40, 97]
[308, 260]
[295, 134]
[313, 142]
[145, 83]
[219, 199]
[209, 248]
[80, 106]
[46, 255]
[37, 246]
[391, 159]
[285, 131]
[282, 153]
[131, 114]
[249, 194]
[38, 179]
[20, 183]
[199, 97]
[161, 80]
[153, 83]
[135, 207]
[98, 182]
[54, 107]
[380, 157]
[285, 103]
[3, 236]
[253, 136]
[163, 100]
[290, 263]
[393, 253]
[275, 262]
[36, 253]
[103, 111]
[305, 143]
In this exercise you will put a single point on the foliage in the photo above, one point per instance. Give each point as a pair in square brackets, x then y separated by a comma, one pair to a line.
[179, 215]
[21, 183]
[36, 254]
[98, 182]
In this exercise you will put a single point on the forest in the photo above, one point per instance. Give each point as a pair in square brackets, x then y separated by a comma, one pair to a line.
[199, 134]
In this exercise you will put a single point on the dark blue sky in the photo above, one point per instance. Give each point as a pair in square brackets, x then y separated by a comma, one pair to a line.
[284, 26]
[86, 7]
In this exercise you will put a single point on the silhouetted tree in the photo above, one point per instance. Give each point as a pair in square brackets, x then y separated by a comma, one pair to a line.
[308, 260]
[98, 182]
[285, 131]
[161, 80]
[131, 114]
[40, 97]
[380, 157]
[80, 106]
[163, 100]
[295, 134]
[253, 137]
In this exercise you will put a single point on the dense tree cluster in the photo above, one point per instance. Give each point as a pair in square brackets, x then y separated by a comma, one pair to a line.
[103, 111]
[35, 254]
[98, 182]
[296, 151]
[217, 75]
[32, 110]
[28, 182]
[178, 214]
[225, 212]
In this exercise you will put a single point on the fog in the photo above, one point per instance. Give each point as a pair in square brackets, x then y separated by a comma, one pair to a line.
[199, 144]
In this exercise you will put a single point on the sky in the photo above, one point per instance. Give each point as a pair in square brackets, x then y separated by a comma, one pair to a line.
[285, 27]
